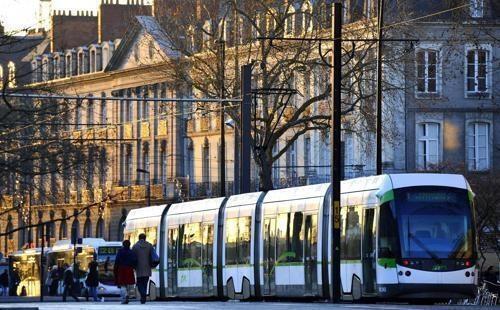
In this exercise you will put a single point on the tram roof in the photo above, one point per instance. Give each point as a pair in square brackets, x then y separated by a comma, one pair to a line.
[144, 217]
[196, 206]
[62, 245]
[294, 193]
[428, 179]
[244, 199]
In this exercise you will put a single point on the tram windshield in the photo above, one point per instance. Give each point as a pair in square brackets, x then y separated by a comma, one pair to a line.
[106, 260]
[434, 222]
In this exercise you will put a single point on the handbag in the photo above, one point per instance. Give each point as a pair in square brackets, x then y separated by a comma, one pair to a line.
[154, 258]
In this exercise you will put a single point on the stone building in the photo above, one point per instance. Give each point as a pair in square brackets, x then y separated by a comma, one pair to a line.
[434, 112]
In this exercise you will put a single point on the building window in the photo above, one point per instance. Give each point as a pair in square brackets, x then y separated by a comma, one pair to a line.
[87, 228]
[291, 160]
[121, 225]
[290, 20]
[205, 165]
[478, 146]
[127, 164]
[90, 113]
[78, 115]
[478, 73]
[427, 145]
[163, 163]
[476, 8]
[427, 63]
[276, 168]
[99, 232]
[307, 155]
[103, 113]
[68, 64]
[102, 167]
[63, 228]
[145, 160]
[12, 74]
[75, 229]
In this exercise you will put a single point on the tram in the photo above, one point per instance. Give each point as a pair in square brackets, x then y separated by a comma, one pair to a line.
[403, 236]
[24, 268]
[106, 254]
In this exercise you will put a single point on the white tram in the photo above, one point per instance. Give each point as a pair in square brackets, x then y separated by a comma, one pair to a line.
[402, 236]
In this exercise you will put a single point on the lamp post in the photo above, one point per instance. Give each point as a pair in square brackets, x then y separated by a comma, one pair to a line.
[149, 184]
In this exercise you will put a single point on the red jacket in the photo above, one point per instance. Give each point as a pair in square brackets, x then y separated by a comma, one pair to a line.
[124, 275]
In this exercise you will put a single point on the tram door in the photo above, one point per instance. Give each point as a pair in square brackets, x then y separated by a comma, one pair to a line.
[207, 259]
[269, 256]
[368, 248]
[310, 254]
[173, 256]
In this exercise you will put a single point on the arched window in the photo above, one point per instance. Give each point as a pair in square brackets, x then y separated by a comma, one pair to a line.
[12, 75]
[68, 64]
[63, 230]
[163, 162]
[207, 30]
[10, 237]
[306, 16]
[99, 231]
[87, 228]
[145, 160]
[75, 229]
[290, 20]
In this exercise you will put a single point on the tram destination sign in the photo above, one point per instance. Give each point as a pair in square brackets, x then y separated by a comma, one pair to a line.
[108, 250]
[423, 196]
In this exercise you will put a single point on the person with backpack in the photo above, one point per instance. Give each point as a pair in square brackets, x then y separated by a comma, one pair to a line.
[146, 259]
[125, 262]
[69, 283]
[92, 280]
[54, 275]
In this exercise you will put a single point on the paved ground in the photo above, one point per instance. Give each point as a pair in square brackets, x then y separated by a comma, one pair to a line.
[111, 304]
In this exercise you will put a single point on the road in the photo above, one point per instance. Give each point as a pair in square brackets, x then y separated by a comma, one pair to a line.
[192, 305]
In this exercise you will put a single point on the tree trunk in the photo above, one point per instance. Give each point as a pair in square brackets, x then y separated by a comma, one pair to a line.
[266, 171]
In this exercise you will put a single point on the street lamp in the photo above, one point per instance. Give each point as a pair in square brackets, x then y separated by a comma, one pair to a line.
[149, 184]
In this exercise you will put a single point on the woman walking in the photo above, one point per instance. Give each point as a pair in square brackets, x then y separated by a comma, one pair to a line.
[92, 280]
[125, 262]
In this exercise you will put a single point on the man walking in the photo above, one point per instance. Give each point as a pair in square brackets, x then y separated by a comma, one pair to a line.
[143, 251]
[69, 283]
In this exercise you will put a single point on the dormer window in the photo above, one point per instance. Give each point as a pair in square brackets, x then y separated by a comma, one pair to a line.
[68, 66]
[476, 8]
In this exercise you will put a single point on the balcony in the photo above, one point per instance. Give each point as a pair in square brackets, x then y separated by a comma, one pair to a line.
[145, 130]
[138, 192]
[111, 132]
[162, 127]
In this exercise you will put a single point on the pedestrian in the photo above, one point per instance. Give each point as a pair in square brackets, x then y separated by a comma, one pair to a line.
[15, 281]
[48, 281]
[144, 251]
[54, 275]
[125, 262]
[68, 283]
[4, 283]
[92, 281]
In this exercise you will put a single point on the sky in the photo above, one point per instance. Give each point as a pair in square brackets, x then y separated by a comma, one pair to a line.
[21, 14]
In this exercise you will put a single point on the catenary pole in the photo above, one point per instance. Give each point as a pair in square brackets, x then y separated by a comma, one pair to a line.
[336, 153]
[222, 155]
[245, 127]
[380, 25]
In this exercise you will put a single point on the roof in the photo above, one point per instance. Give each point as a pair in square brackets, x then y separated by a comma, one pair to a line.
[152, 28]
[293, 193]
[196, 206]
[144, 217]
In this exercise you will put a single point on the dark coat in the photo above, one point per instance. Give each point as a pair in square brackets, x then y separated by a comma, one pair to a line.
[125, 262]
[143, 251]
[68, 277]
[4, 279]
[93, 276]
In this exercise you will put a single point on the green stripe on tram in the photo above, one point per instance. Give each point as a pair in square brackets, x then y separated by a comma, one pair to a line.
[470, 194]
[388, 196]
[387, 262]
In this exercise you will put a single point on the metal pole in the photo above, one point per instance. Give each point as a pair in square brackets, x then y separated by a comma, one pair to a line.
[335, 142]
[222, 163]
[246, 127]
[379, 85]
[236, 183]
[42, 267]
[149, 189]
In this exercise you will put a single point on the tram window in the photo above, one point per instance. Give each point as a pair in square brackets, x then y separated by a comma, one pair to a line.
[353, 234]
[244, 230]
[231, 237]
[208, 240]
[172, 244]
[151, 235]
[388, 243]
[290, 237]
[342, 233]
[191, 252]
